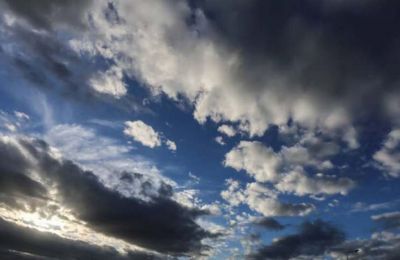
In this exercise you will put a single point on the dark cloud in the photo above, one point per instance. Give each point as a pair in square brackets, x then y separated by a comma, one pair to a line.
[377, 248]
[389, 220]
[45, 14]
[161, 224]
[342, 52]
[269, 223]
[313, 239]
[17, 242]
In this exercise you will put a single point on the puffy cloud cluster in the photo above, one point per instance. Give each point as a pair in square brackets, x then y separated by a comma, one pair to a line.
[262, 200]
[232, 73]
[285, 168]
[146, 135]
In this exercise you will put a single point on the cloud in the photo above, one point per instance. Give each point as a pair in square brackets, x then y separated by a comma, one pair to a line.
[390, 220]
[110, 82]
[301, 184]
[171, 145]
[160, 224]
[269, 224]
[146, 135]
[262, 200]
[17, 242]
[142, 133]
[234, 72]
[285, 168]
[259, 161]
[313, 239]
[381, 246]
[106, 157]
[389, 156]
[227, 130]
[220, 140]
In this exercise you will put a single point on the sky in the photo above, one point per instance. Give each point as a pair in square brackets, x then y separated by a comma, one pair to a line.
[200, 129]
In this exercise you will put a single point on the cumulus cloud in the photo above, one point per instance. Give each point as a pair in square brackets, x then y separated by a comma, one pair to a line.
[256, 159]
[171, 145]
[227, 130]
[142, 133]
[262, 200]
[389, 155]
[285, 168]
[146, 135]
[256, 79]
[172, 230]
[299, 183]
[233, 72]
[110, 82]
[220, 140]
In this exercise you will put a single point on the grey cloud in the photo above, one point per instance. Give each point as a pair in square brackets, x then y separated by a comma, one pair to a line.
[313, 239]
[162, 224]
[381, 246]
[17, 242]
[329, 47]
[269, 223]
[390, 220]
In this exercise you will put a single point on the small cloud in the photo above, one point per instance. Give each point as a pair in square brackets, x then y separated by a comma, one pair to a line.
[227, 130]
[146, 135]
[110, 82]
[219, 140]
[171, 145]
[142, 133]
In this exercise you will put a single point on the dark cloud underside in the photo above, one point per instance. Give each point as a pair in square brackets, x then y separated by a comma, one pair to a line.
[162, 225]
[17, 242]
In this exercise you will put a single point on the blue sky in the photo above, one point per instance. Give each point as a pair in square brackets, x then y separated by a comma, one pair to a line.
[260, 130]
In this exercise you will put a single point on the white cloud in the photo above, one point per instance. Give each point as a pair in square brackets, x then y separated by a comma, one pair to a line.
[146, 135]
[389, 155]
[257, 160]
[285, 169]
[171, 145]
[155, 45]
[262, 200]
[227, 130]
[142, 133]
[220, 140]
[301, 184]
[109, 82]
[106, 157]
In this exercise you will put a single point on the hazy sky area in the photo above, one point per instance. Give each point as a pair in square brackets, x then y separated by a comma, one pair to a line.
[200, 129]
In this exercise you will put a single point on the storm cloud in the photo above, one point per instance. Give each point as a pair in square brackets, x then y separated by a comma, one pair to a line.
[161, 225]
